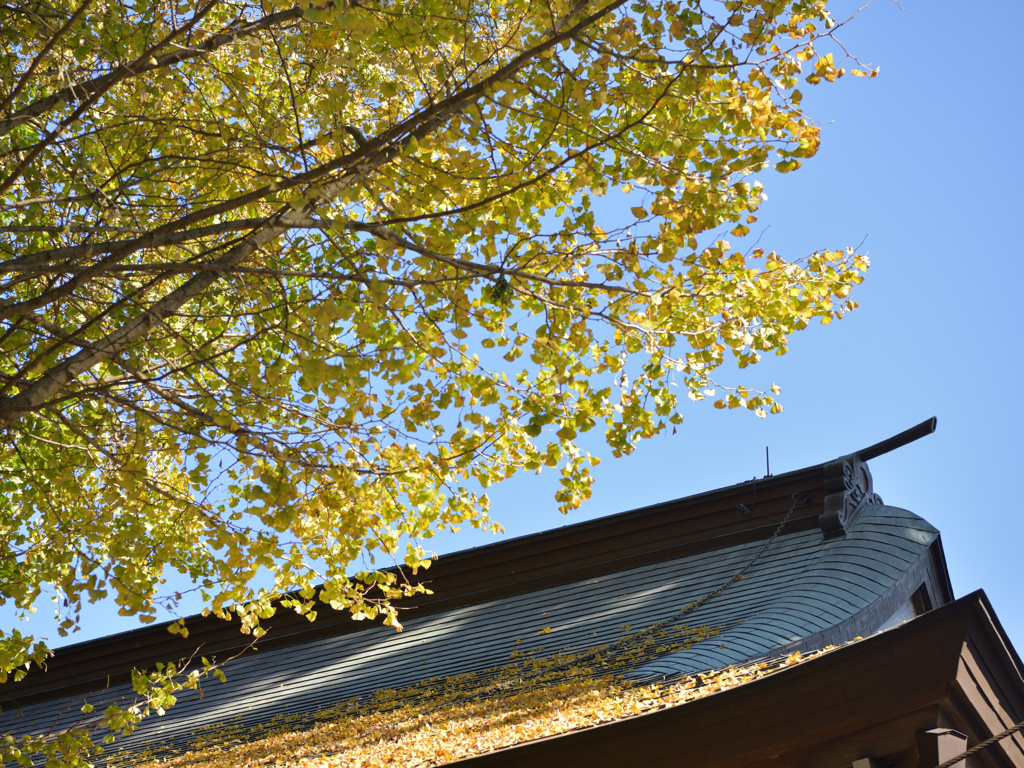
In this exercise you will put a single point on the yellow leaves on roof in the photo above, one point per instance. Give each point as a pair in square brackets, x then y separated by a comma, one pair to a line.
[424, 732]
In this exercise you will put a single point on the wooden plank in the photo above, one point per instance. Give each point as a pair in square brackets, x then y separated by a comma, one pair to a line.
[992, 708]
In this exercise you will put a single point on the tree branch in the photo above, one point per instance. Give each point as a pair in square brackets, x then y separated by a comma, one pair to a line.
[42, 55]
[115, 77]
[376, 153]
[142, 64]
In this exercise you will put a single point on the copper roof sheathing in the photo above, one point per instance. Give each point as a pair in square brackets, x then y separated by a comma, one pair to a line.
[801, 586]
[792, 562]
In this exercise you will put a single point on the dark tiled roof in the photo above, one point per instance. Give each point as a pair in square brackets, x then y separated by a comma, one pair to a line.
[801, 587]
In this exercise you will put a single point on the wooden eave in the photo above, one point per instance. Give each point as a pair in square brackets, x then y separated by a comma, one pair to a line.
[951, 667]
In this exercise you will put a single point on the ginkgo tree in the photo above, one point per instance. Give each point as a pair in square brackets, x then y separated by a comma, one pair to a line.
[282, 284]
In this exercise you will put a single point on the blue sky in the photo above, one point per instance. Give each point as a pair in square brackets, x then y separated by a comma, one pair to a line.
[921, 161]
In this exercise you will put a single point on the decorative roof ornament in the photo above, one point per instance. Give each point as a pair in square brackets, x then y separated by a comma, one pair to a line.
[848, 484]
[848, 490]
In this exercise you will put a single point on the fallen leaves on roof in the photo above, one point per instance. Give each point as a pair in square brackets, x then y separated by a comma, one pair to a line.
[441, 721]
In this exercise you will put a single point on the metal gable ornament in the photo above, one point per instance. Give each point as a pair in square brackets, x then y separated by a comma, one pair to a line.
[848, 490]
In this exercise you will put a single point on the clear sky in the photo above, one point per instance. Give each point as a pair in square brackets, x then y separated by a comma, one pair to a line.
[921, 161]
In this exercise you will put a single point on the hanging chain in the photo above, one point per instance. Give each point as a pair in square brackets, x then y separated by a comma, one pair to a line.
[799, 500]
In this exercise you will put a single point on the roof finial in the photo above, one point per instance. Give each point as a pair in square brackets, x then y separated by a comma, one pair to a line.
[897, 441]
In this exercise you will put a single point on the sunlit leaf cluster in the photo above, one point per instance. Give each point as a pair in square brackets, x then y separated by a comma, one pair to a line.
[281, 286]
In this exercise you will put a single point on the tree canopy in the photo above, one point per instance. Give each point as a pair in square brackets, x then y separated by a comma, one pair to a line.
[284, 288]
